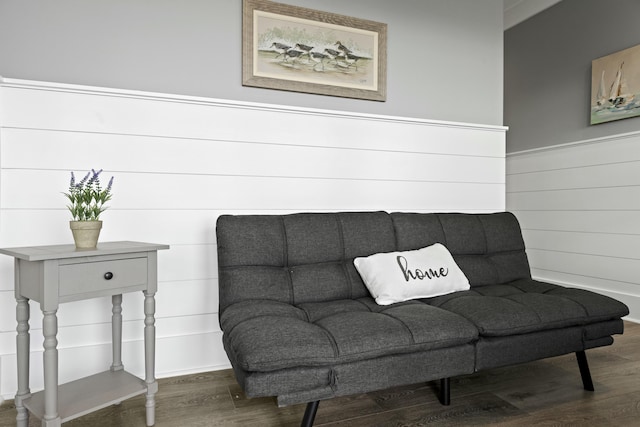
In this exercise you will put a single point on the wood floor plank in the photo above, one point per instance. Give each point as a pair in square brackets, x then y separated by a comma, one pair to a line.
[541, 393]
[479, 409]
[399, 397]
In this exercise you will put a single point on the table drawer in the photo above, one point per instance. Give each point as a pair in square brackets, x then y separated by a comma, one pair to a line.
[90, 277]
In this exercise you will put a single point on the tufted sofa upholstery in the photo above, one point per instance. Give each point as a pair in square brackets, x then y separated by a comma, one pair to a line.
[298, 322]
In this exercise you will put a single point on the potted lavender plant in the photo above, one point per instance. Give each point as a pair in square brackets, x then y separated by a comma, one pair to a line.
[87, 201]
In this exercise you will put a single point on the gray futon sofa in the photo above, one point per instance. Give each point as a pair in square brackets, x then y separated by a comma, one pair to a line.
[299, 323]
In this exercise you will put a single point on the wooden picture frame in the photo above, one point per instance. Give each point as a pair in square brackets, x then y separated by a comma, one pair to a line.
[304, 50]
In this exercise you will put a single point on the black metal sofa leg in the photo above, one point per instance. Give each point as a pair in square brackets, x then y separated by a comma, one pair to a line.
[584, 370]
[445, 391]
[310, 414]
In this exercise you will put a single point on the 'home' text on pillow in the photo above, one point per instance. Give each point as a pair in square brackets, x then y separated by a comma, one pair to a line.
[400, 276]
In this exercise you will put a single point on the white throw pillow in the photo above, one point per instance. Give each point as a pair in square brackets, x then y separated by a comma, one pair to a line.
[400, 276]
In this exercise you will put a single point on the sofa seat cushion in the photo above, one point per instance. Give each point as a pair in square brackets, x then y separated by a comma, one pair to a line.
[526, 305]
[275, 336]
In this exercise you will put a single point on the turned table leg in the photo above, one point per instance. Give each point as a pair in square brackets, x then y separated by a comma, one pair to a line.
[22, 346]
[116, 333]
[51, 417]
[149, 355]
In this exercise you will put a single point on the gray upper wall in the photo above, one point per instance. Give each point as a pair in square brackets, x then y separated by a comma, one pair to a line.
[548, 71]
[445, 58]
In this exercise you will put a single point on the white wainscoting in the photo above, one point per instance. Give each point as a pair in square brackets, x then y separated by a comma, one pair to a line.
[179, 162]
[579, 207]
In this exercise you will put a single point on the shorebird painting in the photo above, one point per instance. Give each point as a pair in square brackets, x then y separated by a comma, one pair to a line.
[332, 54]
[292, 48]
[293, 54]
[318, 58]
[304, 48]
[351, 59]
[342, 47]
[343, 58]
[280, 48]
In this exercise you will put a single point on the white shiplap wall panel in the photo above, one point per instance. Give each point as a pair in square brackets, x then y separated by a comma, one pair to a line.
[209, 192]
[593, 152]
[6, 274]
[182, 354]
[170, 306]
[622, 174]
[579, 207]
[231, 158]
[583, 199]
[623, 270]
[598, 244]
[180, 162]
[114, 112]
[182, 226]
[610, 222]
[82, 334]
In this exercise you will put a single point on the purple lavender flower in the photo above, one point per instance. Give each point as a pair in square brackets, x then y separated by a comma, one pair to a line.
[81, 183]
[95, 178]
[87, 198]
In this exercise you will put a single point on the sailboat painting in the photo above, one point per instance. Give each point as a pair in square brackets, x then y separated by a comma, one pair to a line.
[615, 86]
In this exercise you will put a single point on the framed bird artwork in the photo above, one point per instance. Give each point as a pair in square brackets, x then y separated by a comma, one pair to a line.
[304, 50]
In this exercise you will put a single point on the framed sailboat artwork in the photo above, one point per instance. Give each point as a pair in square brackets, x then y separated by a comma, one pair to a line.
[615, 86]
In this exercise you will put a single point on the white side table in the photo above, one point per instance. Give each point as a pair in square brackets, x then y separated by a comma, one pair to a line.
[52, 275]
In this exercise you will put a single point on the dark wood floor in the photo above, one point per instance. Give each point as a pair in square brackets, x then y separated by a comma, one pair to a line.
[543, 393]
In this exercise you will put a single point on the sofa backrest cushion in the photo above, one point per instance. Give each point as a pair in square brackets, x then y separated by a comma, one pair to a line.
[489, 248]
[308, 257]
[297, 258]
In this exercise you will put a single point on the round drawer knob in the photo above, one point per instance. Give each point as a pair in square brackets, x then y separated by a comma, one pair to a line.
[108, 275]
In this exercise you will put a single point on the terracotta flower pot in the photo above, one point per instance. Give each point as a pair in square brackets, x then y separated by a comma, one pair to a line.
[85, 233]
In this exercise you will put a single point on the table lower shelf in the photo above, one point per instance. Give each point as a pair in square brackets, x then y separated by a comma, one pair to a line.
[89, 394]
